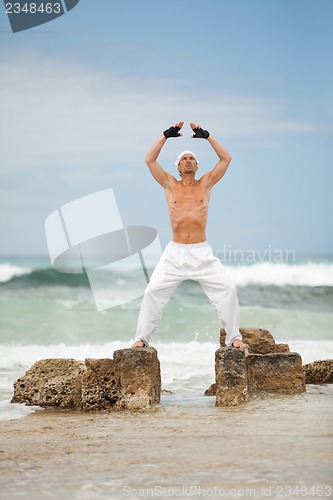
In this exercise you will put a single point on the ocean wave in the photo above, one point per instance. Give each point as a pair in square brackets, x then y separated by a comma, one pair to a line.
[8, 271]
[20, 277]
[278, 274]
[308, 274]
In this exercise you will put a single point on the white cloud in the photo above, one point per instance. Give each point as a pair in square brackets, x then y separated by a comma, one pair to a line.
[59, 113]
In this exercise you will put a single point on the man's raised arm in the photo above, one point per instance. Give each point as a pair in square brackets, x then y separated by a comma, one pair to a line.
[159, 174]
[220, 168]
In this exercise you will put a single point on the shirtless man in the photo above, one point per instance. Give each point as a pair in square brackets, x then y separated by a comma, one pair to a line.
[188, 255]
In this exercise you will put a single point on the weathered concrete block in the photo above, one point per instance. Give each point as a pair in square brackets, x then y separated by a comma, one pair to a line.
[230, 376]
[276, 372]
[100, 385]
[319, 372]
[260, 341]
[140, 377]
[51, 382]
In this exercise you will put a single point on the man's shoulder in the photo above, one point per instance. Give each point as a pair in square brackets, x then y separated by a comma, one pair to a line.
[203, 181]
[173, 182]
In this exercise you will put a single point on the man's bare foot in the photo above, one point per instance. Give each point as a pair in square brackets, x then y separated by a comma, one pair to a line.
[138, 344]
[238, 344]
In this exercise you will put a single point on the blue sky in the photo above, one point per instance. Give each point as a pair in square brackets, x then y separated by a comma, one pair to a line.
[84, 96]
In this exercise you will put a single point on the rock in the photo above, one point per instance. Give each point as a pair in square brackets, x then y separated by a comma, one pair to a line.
[211, 391]
[282, 348]
[139, 376]
[260, 341]
[51, 382]
[319, 372]
[131, 380]
[230, 376]
[100, 385]
[166, 391]
[276, 372]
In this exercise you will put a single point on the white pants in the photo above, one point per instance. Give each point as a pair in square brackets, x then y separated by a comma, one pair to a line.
[180, 262]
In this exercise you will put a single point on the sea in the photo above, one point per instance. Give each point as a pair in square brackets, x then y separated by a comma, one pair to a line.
[48, 314]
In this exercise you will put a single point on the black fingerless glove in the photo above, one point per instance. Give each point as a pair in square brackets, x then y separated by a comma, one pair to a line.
[172, 132]
[199, 133]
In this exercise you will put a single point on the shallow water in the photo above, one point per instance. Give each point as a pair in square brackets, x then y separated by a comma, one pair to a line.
[186, 448]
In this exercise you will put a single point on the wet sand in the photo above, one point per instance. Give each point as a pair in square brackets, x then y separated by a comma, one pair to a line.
[184, 448]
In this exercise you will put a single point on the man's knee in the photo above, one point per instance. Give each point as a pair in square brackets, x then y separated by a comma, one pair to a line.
[232, 292]
[150, 291]
[228, 291]
[153, 292]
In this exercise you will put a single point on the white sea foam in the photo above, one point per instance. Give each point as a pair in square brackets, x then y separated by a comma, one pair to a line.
[183, 359]
[15, 411]
[186, 368]
[312, 350]
[279, 274]
[8, 271]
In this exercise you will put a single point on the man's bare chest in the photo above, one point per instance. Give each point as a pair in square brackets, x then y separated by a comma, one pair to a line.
[187, 197]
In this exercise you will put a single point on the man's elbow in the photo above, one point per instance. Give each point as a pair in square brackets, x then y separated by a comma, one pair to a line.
[227, 161]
